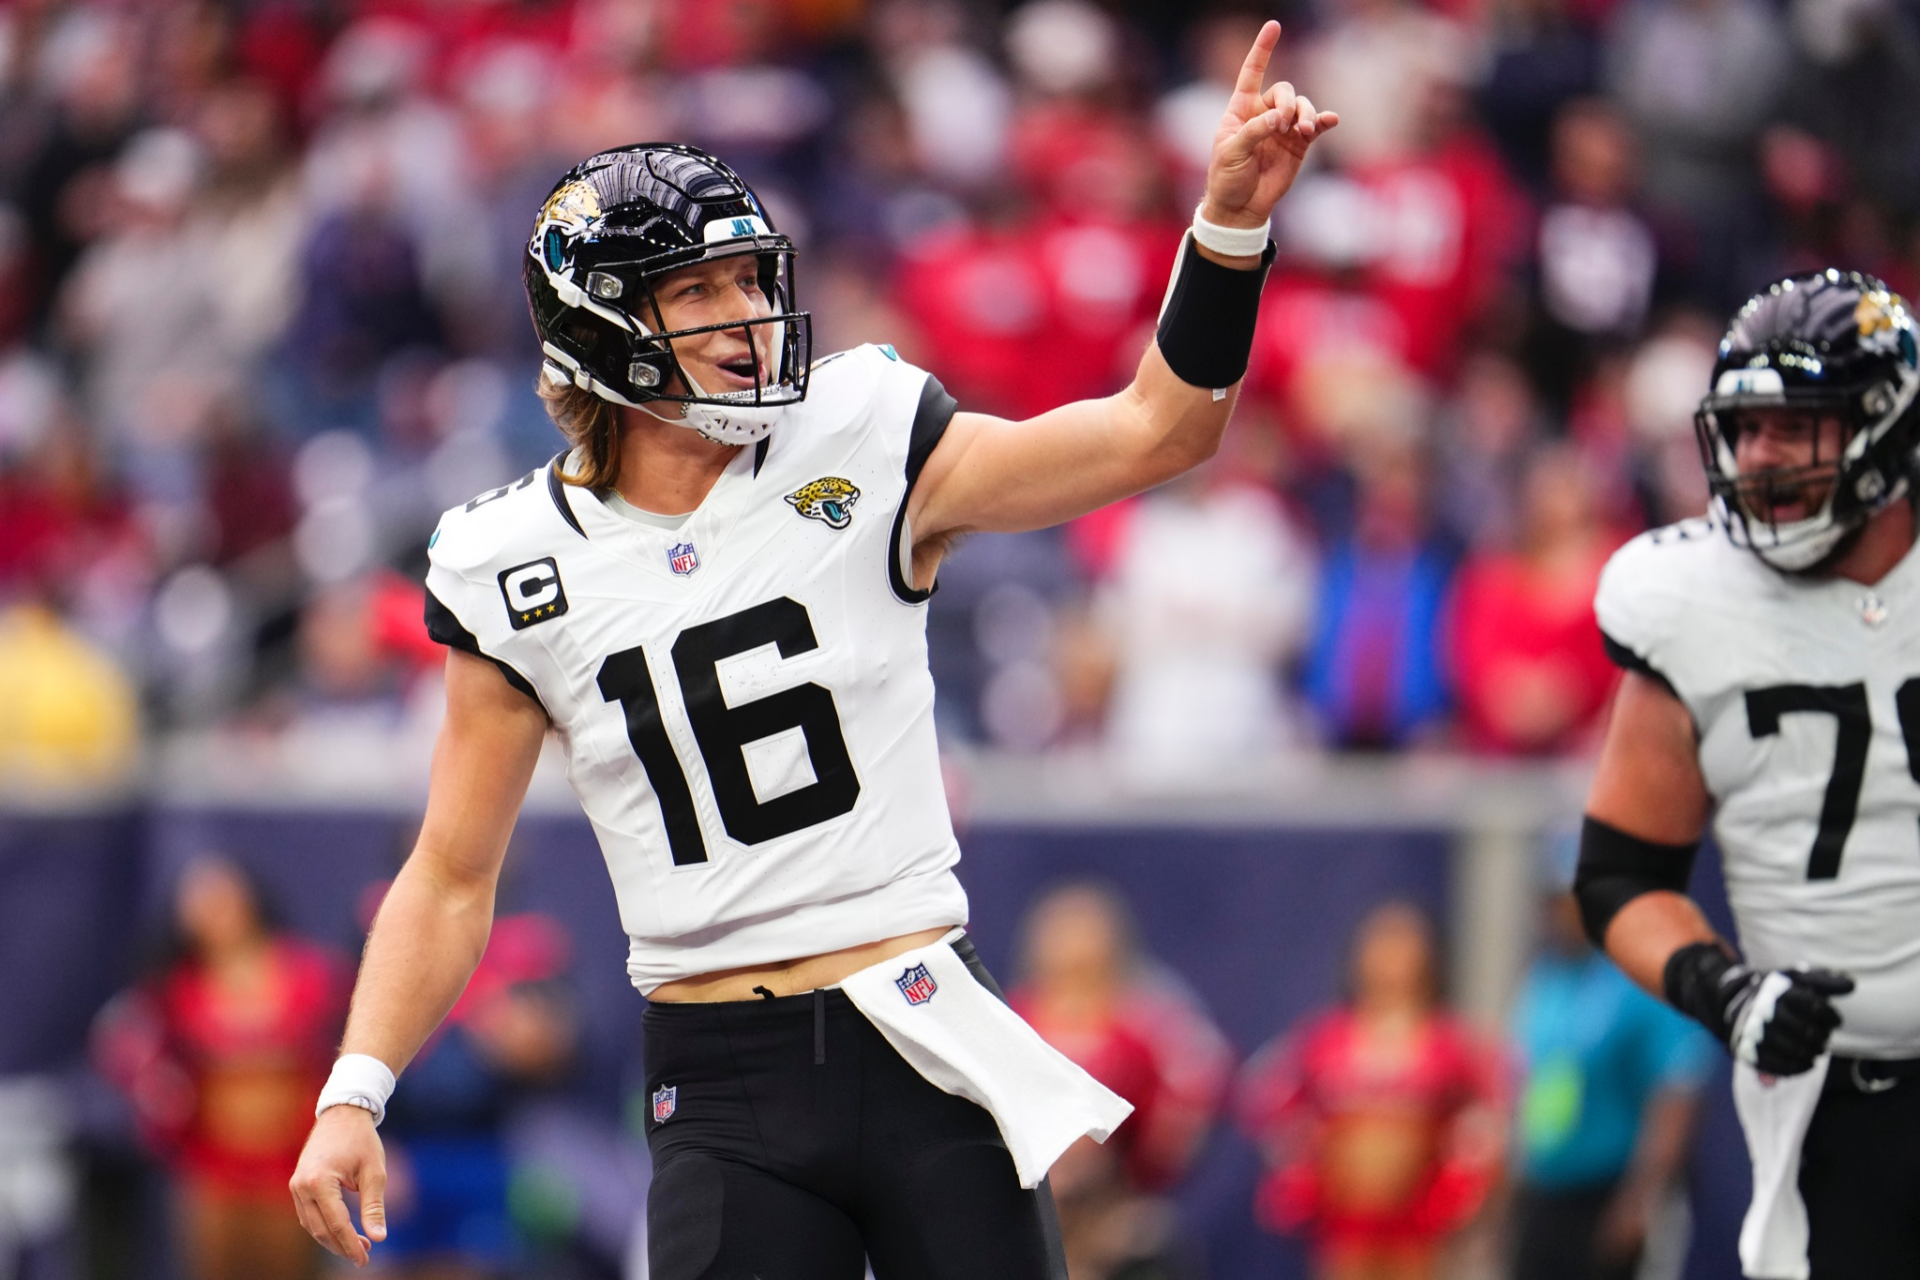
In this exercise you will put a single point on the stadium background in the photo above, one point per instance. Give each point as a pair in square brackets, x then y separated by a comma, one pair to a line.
[260, 321]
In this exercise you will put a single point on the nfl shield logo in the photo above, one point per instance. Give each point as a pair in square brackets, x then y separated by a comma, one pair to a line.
[665, 1099]
[683, 558]
[916, 984]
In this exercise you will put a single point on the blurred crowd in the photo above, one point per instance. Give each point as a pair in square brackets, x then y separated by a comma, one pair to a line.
[1389, 1137]
[261, 320]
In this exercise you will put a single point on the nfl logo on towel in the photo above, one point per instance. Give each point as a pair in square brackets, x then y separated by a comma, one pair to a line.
[683, 558]
[916, 984]
[665, 1099]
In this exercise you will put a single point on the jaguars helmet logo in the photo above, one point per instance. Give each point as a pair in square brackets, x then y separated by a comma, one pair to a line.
[829, 500]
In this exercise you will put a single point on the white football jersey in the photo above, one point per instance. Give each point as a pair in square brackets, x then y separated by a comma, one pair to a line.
[744, 701]
[1805, 697]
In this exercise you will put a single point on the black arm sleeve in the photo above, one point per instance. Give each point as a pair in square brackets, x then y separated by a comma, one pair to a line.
[1615, 868]
[1205, 332]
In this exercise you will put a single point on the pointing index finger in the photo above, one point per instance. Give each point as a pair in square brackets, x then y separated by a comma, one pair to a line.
[1254, 70]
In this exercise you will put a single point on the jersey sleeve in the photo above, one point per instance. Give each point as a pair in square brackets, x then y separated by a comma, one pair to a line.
[914, 412]
[463, 612]
[1635, 609]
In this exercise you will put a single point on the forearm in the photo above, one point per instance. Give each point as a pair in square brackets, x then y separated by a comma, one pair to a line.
[1648, 930]
[427, 940]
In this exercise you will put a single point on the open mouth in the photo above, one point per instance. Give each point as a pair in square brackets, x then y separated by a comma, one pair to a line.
[742, 369]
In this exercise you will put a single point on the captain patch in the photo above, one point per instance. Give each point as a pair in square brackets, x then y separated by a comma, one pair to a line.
[533, 592]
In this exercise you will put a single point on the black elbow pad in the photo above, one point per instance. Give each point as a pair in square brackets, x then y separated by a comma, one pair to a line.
[1615, 868]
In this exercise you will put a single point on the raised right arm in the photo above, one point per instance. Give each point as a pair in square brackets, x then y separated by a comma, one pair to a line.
[429, 934]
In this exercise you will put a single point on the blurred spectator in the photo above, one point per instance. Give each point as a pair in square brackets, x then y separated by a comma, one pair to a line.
[139, 307]
[1659, 390]
[1381, 60]
[1375, 674]
[449, 1215]
[82, 68]
[222, 1052]
[1856, 86]
[1482, 439]
[68, 715]
[1595, 252]
[1543, 56]
[1138, 1030]
[1379, 1120]
[1529, 668]
[1698, 78]
[1209, 597]
[956, 102]
[1612, 1081]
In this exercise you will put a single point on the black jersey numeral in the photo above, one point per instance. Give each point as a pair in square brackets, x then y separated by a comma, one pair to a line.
[625, 679]
[723, 731]
[1847, 704]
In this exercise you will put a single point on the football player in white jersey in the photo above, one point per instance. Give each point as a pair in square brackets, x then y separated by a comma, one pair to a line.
[715, 600]
[1772, 656]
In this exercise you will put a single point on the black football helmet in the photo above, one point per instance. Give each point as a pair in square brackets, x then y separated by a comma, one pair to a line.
[1831, 343]
[610, 228]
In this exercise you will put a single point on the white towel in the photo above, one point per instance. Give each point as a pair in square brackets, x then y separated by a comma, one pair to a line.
[1774, 1113]
[967, 1042]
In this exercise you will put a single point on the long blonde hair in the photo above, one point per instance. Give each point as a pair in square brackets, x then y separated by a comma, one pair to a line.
[591, 426]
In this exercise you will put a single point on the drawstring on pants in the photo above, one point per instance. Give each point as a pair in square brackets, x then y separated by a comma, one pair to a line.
[819, 1026]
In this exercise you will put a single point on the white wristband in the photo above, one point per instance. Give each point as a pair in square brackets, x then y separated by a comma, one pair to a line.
[1230, 242]
[358, 1080]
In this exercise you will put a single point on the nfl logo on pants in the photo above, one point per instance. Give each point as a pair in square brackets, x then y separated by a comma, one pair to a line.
[916, 984]
[665, 1098]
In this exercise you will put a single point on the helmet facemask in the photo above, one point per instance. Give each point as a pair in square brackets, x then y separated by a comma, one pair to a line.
[623, 294]
[1852, 482]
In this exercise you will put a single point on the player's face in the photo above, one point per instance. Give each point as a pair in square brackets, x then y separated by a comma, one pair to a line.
[1787, 459]
[715, 293]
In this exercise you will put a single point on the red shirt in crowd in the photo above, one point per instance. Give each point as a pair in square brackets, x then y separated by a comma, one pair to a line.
[1529, 668]
[1368, 1146]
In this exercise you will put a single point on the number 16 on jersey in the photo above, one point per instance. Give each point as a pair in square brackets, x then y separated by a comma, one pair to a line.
[724, 732]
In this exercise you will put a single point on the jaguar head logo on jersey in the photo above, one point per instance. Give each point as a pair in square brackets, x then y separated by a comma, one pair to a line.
[665, 1099]
[533, 592]
[829, 500]
[916, 984]
[682, 558]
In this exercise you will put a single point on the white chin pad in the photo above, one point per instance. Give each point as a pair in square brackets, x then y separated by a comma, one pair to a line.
[729, 423]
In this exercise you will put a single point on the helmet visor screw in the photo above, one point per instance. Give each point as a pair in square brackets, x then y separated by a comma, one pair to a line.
[641, 374]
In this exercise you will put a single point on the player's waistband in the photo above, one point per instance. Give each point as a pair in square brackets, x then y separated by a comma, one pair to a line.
[774, 1006]
[1870, 1075]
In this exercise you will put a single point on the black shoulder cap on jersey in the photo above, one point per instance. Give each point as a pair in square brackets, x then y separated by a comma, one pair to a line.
[1627, 660]
[930, 419]
[1615, 868]
[557, 490]
[448, 630]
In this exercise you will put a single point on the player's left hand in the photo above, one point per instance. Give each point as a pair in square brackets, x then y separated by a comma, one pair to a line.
[1262, 142]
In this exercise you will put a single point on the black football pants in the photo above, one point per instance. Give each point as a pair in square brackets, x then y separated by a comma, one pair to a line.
[801, 1146]
[1860, 1174]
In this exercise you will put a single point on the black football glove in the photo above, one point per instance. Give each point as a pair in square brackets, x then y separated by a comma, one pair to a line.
[1774, 1020]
